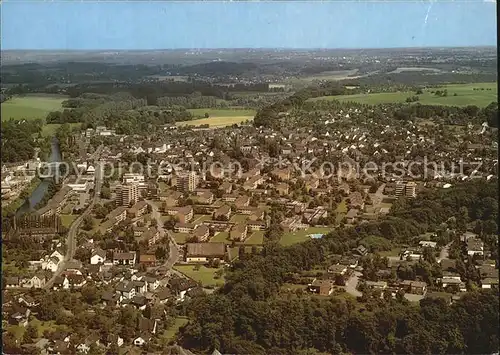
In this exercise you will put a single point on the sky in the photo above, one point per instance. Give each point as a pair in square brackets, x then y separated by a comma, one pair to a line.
[142, 25]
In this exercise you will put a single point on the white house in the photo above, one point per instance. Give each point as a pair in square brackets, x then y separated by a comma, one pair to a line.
[427, 243]
[475, 247]
[37, 281]
[125, 290]
[141, 340]
[98, 257]
[51, 264]
[57, 254]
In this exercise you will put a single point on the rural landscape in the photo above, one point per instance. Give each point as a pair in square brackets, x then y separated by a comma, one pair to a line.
[250, 201]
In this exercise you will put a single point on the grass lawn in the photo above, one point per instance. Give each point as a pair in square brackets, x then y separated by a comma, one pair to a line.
[221, 237]
[238, 218]
[180, 238]
[170, 333]
[342, 207]
[300, 236]
[200, 112]
[257, 238]
[466, 95]
[30, 107]
[50, 129]
[217, 121]
[204, 275]
[18, 330]
[392, 252]
[198, 218]
[67, 219]
[219, 117]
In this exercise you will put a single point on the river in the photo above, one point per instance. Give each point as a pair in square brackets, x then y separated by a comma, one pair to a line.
[40, 191]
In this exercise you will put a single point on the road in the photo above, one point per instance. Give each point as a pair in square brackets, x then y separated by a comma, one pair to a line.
[444, 254]
[174, 249]
[71, 240]
[378, 196]
[352, 283]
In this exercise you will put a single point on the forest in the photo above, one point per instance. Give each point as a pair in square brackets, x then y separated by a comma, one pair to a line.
[20, 138]
[250, 315]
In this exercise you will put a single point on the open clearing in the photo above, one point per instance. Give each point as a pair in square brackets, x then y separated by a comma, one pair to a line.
[205, 275]
[300, 236]
[30, 107]
[67, 219]
[466, 95]
[219, 117]
[171, 331]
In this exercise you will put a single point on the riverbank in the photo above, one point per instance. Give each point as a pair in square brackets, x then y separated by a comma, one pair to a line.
[17, 203]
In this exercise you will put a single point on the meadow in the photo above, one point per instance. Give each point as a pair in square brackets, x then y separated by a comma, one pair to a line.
[219, 117]
[302, 235]
[30, 107]
[465, 95]
[204, 275]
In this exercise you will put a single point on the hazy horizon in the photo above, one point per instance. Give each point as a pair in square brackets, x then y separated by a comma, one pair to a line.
[148, 26]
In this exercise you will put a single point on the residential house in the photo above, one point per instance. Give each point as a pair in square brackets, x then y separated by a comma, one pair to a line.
[61, 282]
[202, 252]
[98, 256]
[223, 212]
[253, 182]
[238, 232]
[256, 225]
[321, 287]
[242, 201]
[126, 290]
[12, 282]
[352, 216]
[138, 209]
[414, 287]
[114, 339]
[376, 285]
[185, 227]
[120, 258]
[201, 233]
[36, 281]
[282, 188]
[185, 214]
[427, 244]
[361, 250]
[356, 200]
[475, 247]
[489, 282]
[226, 187]
[147, 259]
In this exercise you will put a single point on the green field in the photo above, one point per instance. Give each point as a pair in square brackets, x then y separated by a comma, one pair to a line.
[30, 107]
[238, 218]
[204, 275]
[221, 237]
[171, 331]
[180, 238]
[466, 95]
[218, 117]
[300, 236]
[256, 238]
[200, 112]
[67, 219]
[51, 128]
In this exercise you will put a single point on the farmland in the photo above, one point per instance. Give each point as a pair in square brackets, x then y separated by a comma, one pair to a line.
[465, 95]
[219, 117]
[30, 107]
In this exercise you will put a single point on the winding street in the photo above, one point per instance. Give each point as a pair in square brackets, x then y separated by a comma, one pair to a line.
[71, 241]
[174, 249]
